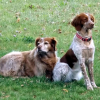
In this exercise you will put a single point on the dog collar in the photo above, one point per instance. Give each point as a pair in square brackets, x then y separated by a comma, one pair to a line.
[83, 39]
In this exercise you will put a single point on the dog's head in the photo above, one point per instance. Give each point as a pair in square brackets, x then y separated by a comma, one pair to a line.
[45, 45]
[83, 20]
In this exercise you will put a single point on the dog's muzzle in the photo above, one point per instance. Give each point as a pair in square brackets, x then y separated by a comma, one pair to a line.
[41, 53]
[91, 26]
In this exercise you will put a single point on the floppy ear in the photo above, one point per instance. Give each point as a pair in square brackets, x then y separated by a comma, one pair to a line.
[54, 43]
[77, 23]
[36, 41]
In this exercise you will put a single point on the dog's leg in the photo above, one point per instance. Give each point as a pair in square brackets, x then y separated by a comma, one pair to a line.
[90, 70]
[86, 78]
[49, 75]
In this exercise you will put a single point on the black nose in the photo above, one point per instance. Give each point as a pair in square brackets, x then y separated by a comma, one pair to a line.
[39, 47]
[92, 25]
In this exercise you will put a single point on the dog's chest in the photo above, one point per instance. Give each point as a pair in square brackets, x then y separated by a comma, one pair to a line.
[87, 53]
[82, 51]
[39, 68]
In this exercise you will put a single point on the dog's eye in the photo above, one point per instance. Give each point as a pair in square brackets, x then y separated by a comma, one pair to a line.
[92, 19]
[38, 43]
[85, 19]
[46, 43]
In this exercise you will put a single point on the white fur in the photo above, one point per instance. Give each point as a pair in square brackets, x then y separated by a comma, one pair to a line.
[14, 52]
[44, 47]
[62, 72]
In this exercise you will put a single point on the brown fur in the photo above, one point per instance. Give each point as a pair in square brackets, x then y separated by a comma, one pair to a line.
[79, 21]
[69, 58]
[30, 63]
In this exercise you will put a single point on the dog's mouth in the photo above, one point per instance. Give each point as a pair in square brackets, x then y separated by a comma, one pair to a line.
[90, 27]
[42, 53]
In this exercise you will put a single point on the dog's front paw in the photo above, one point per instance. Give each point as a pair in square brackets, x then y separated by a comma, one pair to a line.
[89, 87]
[94, 85]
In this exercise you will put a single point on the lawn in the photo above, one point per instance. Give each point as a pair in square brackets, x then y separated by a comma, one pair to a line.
[21, 22]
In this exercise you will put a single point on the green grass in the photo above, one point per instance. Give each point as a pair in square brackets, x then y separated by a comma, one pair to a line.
[43, 18]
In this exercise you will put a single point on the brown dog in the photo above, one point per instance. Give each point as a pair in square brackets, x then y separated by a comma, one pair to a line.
[36, 62]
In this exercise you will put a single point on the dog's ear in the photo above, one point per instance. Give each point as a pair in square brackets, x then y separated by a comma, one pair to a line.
[92, 18]
[77, 23]
[54, 43]
[36, 41]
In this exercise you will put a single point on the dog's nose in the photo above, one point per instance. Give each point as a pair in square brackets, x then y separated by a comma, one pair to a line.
[39, 47]
[91, 25]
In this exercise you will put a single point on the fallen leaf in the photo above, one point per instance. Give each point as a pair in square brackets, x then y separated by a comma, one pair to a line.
[26, 18]
[18, 20]
[7, 96]
[10, 1]
[96, 30]
[65, 90]
[17, 14]
[68, 23]
[59, 31]
[41, 34]
[34, 96]
[31, 6]
[22, 85]
[83, 93]
[62, 51]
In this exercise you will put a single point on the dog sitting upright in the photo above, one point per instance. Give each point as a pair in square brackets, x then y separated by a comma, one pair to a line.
[72, 66]
[36, 62]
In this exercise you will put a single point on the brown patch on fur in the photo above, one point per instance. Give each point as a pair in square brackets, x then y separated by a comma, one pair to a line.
[69, 58]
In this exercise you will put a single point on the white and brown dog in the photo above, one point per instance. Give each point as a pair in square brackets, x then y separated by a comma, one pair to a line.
[72, 66]
[36, 62]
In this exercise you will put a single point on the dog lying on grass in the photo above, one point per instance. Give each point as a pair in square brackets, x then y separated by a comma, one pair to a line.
[39, 61]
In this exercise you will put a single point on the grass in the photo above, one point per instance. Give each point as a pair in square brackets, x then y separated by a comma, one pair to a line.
[21, 22]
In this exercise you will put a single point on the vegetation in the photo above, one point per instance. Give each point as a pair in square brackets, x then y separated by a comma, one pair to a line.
[21, 22]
